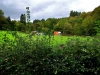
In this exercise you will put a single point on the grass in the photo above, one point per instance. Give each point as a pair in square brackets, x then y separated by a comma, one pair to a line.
[9, 35]
[55, 40]
[5, 34]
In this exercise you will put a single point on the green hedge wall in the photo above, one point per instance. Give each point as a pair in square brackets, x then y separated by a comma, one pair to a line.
[38, 57]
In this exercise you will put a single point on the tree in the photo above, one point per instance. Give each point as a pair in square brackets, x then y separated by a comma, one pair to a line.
[97, 27]
[23, 19]
[43, 20]
[36, 21]
[9, 20]
[13, 25]
[19, 26]
[38, 26]
[74, 13]
[87, 25]
[49, 23]
[96, 13]
[57, 27]
[7, 26]
[72, 20]
[77, 29]
[2, 19]
[62, 25]
[83, 15]
[1, 13]
[68, 28]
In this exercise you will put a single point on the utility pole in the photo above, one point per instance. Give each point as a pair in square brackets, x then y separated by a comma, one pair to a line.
[28, 17]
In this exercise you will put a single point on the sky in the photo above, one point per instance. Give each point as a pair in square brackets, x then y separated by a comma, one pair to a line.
[43, 9]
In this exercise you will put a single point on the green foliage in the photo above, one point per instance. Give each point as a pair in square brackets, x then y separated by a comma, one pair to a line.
[2, 19]
[83, 15]
[36, 56]
[96, 13]
[76, 24]
[36, 21]
[77, 29]
[1, 13]
[23, 19]
[97, 27]
[7, 24]
[87, 25]
[19, 26]
[74, 13]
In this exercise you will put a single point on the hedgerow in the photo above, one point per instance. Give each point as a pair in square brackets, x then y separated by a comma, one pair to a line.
[28, 56]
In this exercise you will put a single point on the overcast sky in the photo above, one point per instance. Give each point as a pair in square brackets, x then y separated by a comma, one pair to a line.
[43, 9]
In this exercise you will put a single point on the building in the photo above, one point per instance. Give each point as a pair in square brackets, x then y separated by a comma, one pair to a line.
[57, 33]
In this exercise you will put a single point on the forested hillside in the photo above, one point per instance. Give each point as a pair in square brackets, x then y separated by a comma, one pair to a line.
[78, 23]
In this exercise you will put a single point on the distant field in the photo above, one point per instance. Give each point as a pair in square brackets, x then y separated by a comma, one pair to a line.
[55, 40]
[4, 34]
[9, 35]
[64, 39]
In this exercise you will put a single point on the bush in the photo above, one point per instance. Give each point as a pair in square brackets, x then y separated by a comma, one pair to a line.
[29, 56]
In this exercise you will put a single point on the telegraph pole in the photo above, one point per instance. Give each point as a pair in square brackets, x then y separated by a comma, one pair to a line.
[28, 15]
[28, 18]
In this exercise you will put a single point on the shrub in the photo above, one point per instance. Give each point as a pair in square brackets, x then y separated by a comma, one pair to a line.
[29, 56]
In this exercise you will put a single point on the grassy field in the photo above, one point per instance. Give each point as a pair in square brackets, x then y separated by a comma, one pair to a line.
[5, 34]
[64, 39]
[9, 35]
[55, 40]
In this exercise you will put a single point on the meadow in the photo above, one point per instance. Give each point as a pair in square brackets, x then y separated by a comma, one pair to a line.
[54, 39]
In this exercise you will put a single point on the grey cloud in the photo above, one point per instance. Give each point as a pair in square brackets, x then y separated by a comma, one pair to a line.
[11, 10]
[53, 9]
[41, 9]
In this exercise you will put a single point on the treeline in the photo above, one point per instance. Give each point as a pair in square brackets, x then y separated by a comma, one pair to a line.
[78, 23]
